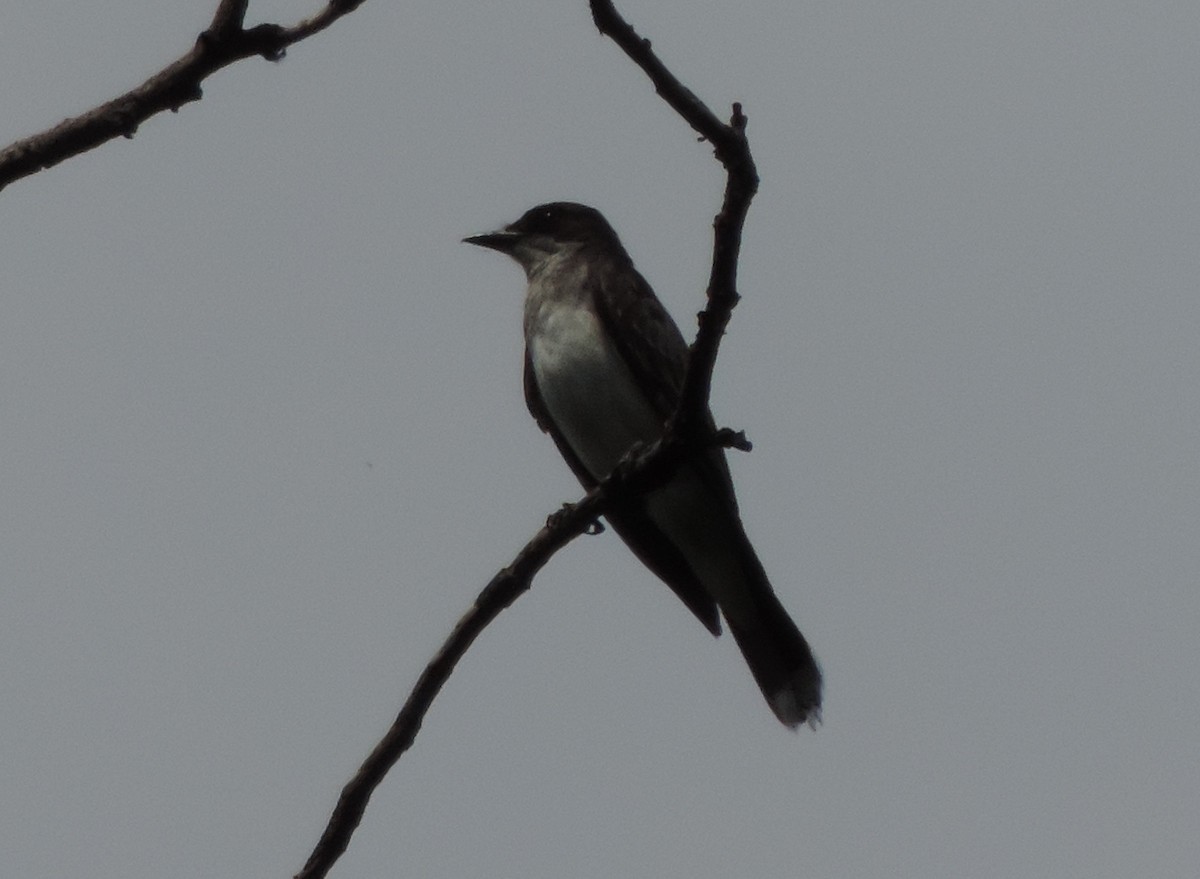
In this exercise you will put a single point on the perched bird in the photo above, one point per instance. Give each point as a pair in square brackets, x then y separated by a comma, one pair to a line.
[604, 368]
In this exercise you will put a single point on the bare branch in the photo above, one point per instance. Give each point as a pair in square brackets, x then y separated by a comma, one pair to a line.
[733, 152]
[641, 470]
[502, 591]
[225, 42]
[230, 16]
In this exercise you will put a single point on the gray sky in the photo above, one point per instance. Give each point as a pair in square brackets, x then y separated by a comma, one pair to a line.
[262, 440]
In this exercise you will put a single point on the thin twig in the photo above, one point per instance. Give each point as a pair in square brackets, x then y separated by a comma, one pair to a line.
[225, 42]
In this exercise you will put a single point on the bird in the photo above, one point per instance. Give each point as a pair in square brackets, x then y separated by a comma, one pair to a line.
[604, 370]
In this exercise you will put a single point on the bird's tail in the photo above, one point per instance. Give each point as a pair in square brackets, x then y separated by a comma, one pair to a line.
[780, 660]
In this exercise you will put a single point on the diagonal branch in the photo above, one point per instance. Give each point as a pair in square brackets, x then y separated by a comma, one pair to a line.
[225, 42]
[641, 470]
[733, 152]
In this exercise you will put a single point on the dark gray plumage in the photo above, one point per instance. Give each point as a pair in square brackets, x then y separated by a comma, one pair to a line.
[604, 367]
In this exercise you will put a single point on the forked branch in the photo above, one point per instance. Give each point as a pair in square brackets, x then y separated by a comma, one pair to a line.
[642, 469]
[225, 41]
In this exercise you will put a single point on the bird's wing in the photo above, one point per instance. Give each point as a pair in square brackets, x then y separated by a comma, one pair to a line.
[640, 534]
[644, 334]
[651, 345]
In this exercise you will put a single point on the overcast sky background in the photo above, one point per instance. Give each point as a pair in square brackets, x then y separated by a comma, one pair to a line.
[262, 440]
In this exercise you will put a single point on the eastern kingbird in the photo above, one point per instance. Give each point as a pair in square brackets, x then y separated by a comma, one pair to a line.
[604, 367]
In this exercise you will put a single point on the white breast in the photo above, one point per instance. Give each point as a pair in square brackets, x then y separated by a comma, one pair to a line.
[586, 387]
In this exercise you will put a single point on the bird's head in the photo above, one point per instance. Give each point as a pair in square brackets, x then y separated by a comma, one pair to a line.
[550, 230]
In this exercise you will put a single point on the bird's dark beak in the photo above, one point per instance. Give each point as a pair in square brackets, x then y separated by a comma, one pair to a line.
[503, 240]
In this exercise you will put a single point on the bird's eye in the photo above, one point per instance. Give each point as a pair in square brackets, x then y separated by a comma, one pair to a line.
[542, 221]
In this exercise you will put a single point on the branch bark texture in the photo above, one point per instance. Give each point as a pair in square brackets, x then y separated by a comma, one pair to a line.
[225, 41]
[733, 152]
[641, 471]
